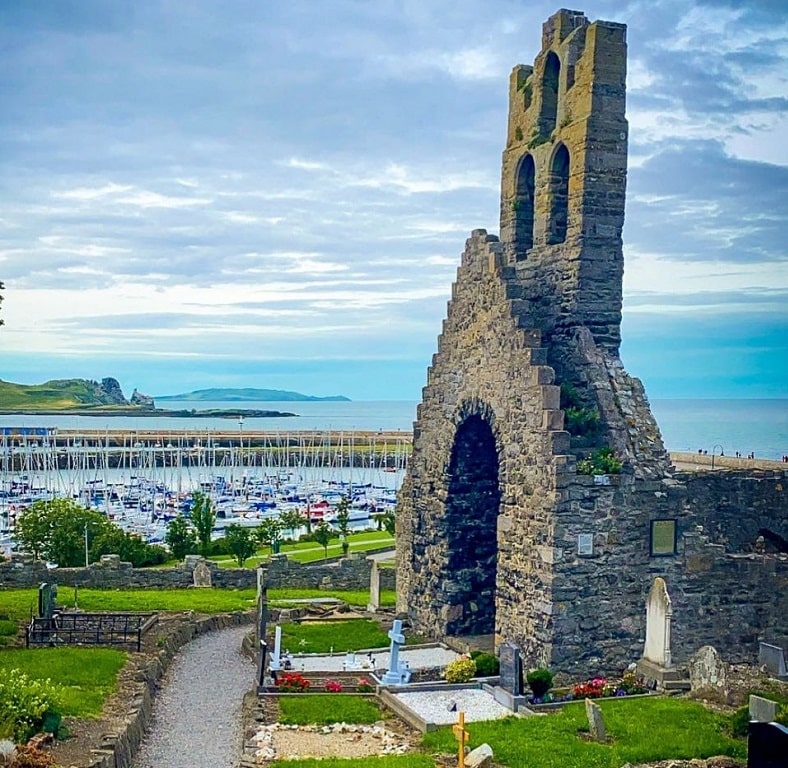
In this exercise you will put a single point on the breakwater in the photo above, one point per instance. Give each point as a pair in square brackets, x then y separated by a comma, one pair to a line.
[47, 449]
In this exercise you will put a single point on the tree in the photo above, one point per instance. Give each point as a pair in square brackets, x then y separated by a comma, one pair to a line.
[322, 535]
[57, 530]
[269, 533]
[203, 520]
[241, 542]
[180, 538]
[343, 522]
[291, 519]
[129, 546]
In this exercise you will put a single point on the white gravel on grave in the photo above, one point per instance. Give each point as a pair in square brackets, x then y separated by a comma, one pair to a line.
[442, 707]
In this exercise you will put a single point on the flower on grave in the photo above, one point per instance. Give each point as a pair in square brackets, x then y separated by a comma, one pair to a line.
[364, 686]
[333, 686]
[292, 682]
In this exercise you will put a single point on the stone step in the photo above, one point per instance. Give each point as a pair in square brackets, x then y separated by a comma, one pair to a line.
[676, 685]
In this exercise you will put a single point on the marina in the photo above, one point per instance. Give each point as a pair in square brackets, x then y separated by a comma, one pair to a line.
[142, 479]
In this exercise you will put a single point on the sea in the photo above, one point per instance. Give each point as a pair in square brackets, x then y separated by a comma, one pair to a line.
[748, 426]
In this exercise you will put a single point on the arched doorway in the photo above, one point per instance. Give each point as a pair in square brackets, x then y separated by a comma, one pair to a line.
[471, 528]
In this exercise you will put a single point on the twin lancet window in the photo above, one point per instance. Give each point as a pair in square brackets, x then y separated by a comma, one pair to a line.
[558, 172]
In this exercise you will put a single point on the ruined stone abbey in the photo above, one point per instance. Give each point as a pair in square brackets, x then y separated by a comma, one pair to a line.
[507, 525]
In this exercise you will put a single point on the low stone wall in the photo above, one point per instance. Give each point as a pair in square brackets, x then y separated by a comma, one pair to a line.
[119, 749]
[352, 573]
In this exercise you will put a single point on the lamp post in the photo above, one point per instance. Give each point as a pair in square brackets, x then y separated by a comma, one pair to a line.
[714, 451]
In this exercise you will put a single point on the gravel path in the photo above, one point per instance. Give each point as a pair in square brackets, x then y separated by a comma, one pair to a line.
[197, 713]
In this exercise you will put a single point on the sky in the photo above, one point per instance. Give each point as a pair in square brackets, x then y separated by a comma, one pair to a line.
[277, 194]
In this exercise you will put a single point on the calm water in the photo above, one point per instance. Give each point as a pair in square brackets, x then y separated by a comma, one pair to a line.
[759, 426]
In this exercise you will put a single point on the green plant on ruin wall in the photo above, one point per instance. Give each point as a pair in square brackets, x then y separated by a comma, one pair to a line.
[518, 133]
[603, 461]
[579, 419]
[537, 139]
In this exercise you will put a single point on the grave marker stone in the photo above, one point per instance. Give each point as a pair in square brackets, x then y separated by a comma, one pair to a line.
[767, 745]
[595, 722]
[773, 658]
[762, 710]
[398, 674]
[374, 588]
[659, 613]
[202, 575]
[481, 757]
[708, 670]
[511, 675]
[276, 662]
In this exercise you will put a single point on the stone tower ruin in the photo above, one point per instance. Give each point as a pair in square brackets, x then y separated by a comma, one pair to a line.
[501, 527]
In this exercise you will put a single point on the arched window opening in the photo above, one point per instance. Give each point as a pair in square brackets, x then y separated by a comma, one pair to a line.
[559, 196]
[524, 206]
[547, 116]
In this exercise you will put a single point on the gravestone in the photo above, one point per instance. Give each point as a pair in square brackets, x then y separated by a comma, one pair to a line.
[767, 745]
[707, 670]
[202, 575]
[374, 588]
[398, 674]
[276, 658]
[47, 594]
[773, 658]
[596, 724]
[262, 627]
[481, 757]
[763, 710]
[511, 670]
[659, 612]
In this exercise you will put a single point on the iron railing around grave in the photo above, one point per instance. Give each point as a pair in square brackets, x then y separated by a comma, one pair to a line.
[90, 629]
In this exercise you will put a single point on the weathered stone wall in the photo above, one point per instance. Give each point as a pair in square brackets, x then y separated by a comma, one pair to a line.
[351, 573]
[492, 511]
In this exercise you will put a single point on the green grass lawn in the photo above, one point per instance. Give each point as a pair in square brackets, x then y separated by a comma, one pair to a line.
[310, 551]
[342, 636]
[85, 676]
[642, 730]
[324, 709]
[18, 603]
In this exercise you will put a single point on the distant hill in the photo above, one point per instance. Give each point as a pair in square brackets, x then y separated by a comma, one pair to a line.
[249, 394]
[68, 394]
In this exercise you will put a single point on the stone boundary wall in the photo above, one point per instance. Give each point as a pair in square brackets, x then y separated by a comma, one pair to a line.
[118, 750]
[352, 573]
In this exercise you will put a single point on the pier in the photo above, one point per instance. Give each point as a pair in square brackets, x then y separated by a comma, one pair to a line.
[48, 449]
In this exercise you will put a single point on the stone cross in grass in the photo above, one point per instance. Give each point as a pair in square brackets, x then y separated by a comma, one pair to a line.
[458, 729]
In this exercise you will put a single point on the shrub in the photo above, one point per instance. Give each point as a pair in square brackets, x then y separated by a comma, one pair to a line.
[460, 670]
[333, 686]
[540, 680]
[364, 686]
[487, 665]
[25, 702]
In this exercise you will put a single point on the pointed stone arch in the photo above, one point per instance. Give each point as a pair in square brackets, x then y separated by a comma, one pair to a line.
[472, 509]
[524, 205]
[558, 184]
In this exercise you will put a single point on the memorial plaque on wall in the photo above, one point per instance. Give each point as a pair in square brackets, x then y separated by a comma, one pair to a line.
[585, 544]
[663, 537]
[511, 678]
